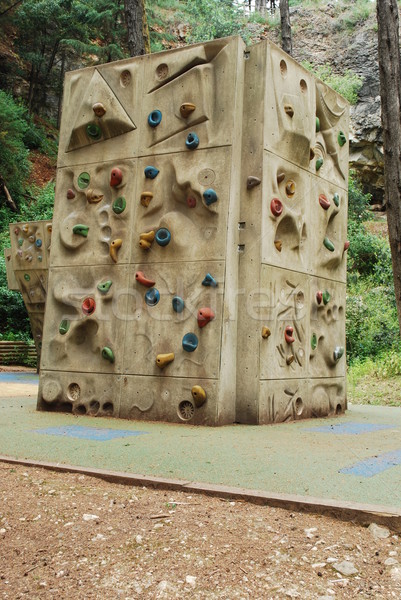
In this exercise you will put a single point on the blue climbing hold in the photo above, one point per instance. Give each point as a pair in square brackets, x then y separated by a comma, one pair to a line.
[151, 172]
[210, 196]
[155, 117]
[189, 342]
[192, 141]
[38, 243]
[163, 236]
[209, 281]
[152, 297]
[178, 304]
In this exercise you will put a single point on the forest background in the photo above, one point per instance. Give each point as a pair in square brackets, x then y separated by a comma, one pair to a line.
[42, 39]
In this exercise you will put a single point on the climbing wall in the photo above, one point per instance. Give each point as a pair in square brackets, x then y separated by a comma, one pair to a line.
[196, 269]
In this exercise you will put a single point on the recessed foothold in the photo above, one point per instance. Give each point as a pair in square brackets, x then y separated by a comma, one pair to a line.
[114, 248]
[210, 196]
[290, 359]
[199, 395]
[278, 244]
[64, 326]
[93, 197]
[204, 316]
[186, 109]
[146, 197]
[342, 140]
[311, 154]
[288, 334]
[163, 236]
[108, 354]
[83, 180]
[31, 239]
[152, 297]
[143, 280]
[88, 306]
[191, 201]
[326, 297]
[338, 352]
[192, 141]
[154, 118]
[151, 172]
[70, 194]
[116, 177]
[317, 127]
[252, 182]
[125, 78]
[99, 109]
[336, 199]
[178, 304]
[324, 202]
[313, 341]
[27, 277]
[105, 286]
[266, 333]
[119, 205]
[162, 360]
[346, 245]
[80, 229]
[190, 342]
[146, 240]
[328, 244]
[290, 188]
[289, 110]
[93, 131]
[209, 281]
[186, 410]
[276, 207]
[319, 163]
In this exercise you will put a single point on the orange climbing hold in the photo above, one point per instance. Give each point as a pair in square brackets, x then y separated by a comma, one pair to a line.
[205, 315]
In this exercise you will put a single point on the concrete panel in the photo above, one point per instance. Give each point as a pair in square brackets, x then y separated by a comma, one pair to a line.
[12, 282]
[283, 400]
[30, 245]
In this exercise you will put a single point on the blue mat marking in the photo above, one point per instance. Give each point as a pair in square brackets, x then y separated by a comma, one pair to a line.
[18, 377]
[89, 433]
[350, 428]
[375, 465]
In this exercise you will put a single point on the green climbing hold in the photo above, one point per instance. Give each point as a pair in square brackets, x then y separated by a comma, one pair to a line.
[328, 244]
[342, 140]
[105, 286]
[336, 199]
[64, 326]
[27, 277]
[108, 354]
[317, 124]
[83, 180]
[81, 230]
[119, 205]
[313, 341]
[93, 131]
[319, 163]
[326, 297]
[20, 242]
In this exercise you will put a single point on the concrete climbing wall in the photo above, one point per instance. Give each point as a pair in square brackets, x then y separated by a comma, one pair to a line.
[201, 203]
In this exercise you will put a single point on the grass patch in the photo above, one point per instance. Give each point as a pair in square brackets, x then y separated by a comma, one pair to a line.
[376, 382]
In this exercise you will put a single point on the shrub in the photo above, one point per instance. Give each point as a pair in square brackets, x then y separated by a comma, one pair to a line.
[348, 84]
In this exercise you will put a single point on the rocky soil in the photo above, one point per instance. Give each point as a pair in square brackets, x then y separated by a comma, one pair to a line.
[70, 536]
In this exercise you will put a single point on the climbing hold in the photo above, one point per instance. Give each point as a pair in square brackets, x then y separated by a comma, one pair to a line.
[313, 341]
[324, 202]
[336, 199]
[162, 360]
[276, 207]
[116, 177]
[346, 245]
[210, 196]
[93, 197]
[280, 177]
[114, 248]
[108, 354]
[152, 297]
[151, 172]
[205, 315]
[27, 277]
[154, 118]
[40, 258]
[19, 253]
[163, 236]
[288, 334]
[199, 395]
[83, 180]
[105, 286]
[317, 124]
[93, 131]
[178, 304]
[38, 243]
[64, 326]
[190, 342]
[191, 201]
[319, 163]
[186, 109]
[29, 258]
[326, 297]
[146, 240]
[328, 244]
[338, 352]
[319, 297]
[31, 239]
[88, 306]
[290, 359]
[192, 141]
[266, 333]
[289, 110]
[50, 228]
[16, 230]
[70, 194]
[342, 140]
[146, 197]
[99, 109]
[25, 228]
[80, 229]
[20, 241]
[278, 244]
[252, 182]
[119, 205]
[140, 277]
[290, 188]
[209, 281]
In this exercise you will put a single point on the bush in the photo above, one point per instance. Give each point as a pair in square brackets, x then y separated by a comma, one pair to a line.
[348, 84]
[211, 19]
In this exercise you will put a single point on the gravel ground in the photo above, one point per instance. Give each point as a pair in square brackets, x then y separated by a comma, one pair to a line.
[70, 536]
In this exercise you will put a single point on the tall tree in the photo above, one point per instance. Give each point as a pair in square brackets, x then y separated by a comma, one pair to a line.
[137, 27]
[286, 40]
[390, 91]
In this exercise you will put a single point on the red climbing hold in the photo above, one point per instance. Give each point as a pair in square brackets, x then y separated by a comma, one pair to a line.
[116, 177]
[205, 315]
[88, 306]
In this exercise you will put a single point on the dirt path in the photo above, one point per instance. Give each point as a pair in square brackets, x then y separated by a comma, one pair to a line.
[69, 536]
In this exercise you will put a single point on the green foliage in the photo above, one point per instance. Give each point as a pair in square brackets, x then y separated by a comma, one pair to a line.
[348, 84]
[389, 365]
[13, 316]
[353, 12]
[211, 19]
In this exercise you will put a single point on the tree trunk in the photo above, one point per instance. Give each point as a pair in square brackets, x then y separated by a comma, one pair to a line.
[286, 41]
[10, 202]
[390, 91]
[60, 90]
[135, 18]
[260, 5]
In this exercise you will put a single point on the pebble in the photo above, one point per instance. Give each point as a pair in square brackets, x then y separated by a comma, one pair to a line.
[87, 517]
[190, 580]
[346, 568]
[396, 574]
[379, 533]
[390, 562]
[310, 532]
